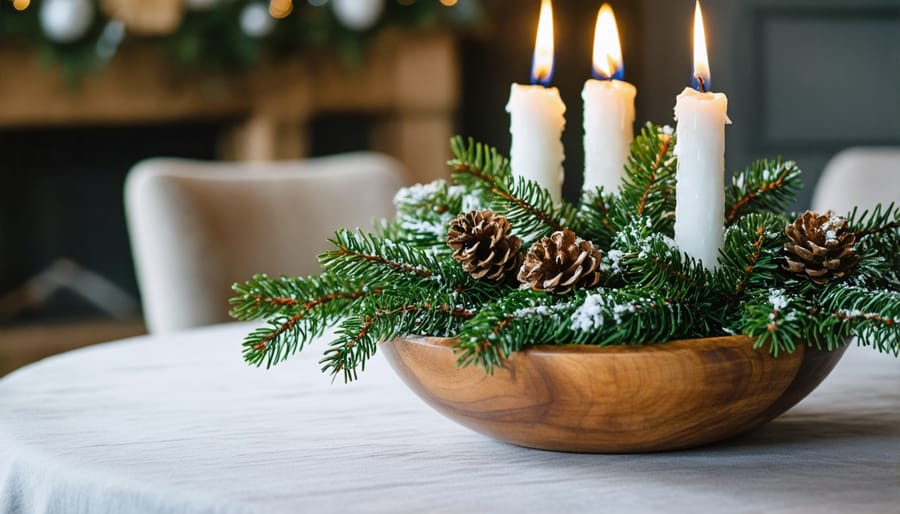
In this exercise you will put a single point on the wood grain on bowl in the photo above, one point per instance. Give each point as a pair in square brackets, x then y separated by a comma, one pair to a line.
[613, 399]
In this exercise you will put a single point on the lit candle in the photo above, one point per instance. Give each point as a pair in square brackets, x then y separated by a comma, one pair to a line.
[700, 148]
[536, 116]
[608, 109]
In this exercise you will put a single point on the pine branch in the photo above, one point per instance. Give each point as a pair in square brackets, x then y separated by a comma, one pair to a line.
[532, 212]
[634, 316]
[651, 182]
[263, 296]
[648, 189]
[775, 319]
[595, 219]
[764, 186]
[651, 261]
[880, 221]
[476, 165]
[600, 317]
[424, 212]
[384, 318]
[878, 242]
[749, 258]
[528, 206]
[299, 310]
[286, 335]
[510, 323]
[872, 316]
[371, 259]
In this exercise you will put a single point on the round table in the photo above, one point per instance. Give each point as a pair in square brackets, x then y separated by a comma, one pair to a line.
[178, 423]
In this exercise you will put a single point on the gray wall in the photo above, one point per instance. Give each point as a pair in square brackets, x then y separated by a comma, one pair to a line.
[804, 78]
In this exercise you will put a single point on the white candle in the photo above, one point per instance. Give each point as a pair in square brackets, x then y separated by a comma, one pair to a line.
[700, 149]
[608, 110]
[537, 117]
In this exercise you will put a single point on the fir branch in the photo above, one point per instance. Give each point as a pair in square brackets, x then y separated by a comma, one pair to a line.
[749, 258]
[263, 296]
[371, 259]
[476, 165]
[510, 323]
[887, 227]
[775, 319]
[424, 211]
[600, 317]
[664, 145]
[528, 206]
[880, 221]
[764, 186]
[648, 188]
[651, 261]
[382, 319]
[532, 212]
[634, 316]
[878, 242]
[300, 309]
[594, 217]
[872, 316]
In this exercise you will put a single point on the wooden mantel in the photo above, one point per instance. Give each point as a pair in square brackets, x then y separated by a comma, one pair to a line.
[410, 81]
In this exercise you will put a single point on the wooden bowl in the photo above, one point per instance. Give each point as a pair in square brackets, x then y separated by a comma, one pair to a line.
[616, 399]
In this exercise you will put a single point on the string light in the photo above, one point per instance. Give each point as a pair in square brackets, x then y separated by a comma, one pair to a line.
[449, 3]
[21, 5]
[280, 8]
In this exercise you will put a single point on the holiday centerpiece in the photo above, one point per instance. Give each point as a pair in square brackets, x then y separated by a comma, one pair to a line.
[537, 321]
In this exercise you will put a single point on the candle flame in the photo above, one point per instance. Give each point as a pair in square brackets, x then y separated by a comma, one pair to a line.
[607, 48]
[542, 63]
[701, 59]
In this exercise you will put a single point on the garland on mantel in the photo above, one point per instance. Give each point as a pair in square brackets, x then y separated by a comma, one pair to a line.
[82, 36]
[491, 260]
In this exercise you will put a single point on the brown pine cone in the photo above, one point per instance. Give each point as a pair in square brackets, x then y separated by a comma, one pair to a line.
[560, 263]
[820, 247]
[481, 243]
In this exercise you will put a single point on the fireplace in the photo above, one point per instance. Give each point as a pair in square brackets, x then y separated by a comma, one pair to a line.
[62, 227]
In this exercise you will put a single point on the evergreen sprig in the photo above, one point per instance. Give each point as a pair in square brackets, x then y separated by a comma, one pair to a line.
[298, 310]
[764, 186]
[750, 258]
[527, 205]
[424, 212]
[775, 319]
[648, 190]
[387, 316]
[873, 317]
[596, 219]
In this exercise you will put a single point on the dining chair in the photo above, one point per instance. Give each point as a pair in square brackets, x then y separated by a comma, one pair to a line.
[198, 227]
[859, 176]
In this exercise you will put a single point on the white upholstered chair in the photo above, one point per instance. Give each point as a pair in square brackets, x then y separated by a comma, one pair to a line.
[860, 177]
[198, 227]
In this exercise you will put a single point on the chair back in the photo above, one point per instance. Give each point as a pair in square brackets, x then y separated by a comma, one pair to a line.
[198, 227]
[860, 177]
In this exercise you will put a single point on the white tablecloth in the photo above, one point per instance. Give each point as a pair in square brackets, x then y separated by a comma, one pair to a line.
[180, 424]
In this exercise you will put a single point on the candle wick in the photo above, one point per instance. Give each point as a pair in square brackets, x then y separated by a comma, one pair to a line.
[702, 84]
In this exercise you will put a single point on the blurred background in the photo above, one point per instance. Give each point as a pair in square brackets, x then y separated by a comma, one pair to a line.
[90, 88]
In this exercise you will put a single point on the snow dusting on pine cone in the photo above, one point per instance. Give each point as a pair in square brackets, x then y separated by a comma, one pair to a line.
[820, 247]
[482, 244]
[560, 263]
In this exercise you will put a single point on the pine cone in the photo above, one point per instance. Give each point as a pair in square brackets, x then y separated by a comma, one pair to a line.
[481, 243]
[560, 263]
[820, 247]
